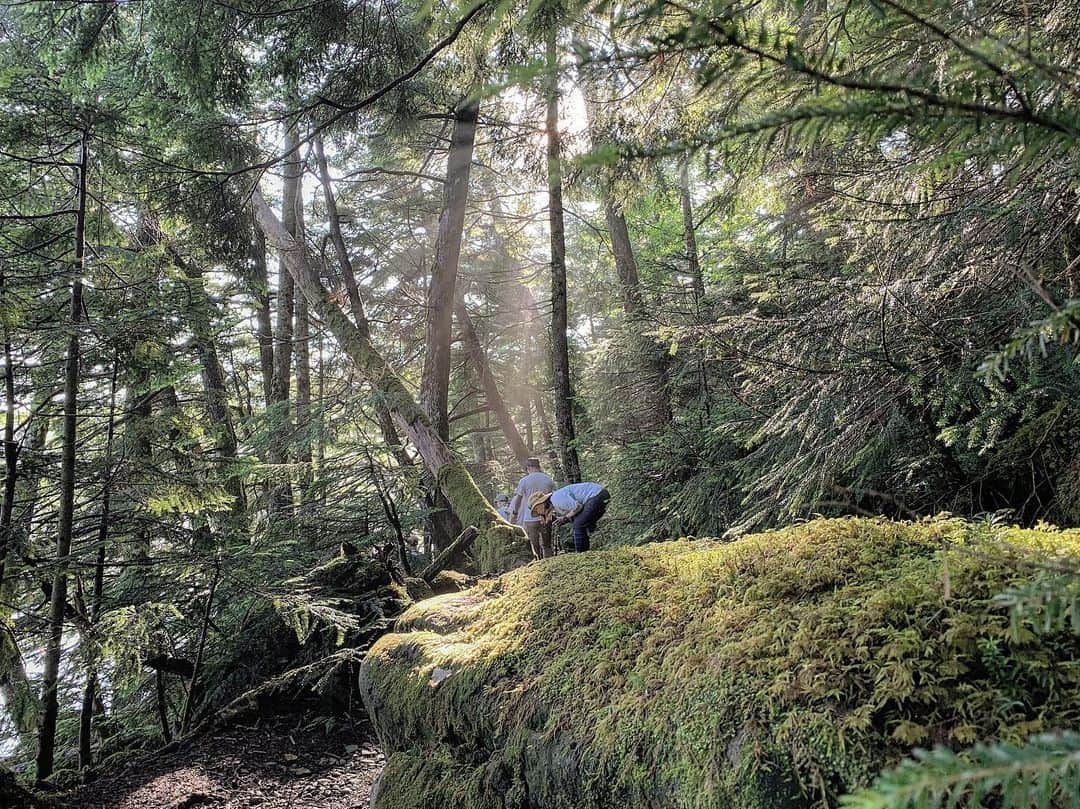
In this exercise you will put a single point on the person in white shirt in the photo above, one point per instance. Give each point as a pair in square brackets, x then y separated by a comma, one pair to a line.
[538, 531]
[583, 504]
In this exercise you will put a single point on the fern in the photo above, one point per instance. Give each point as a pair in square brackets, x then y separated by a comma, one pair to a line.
[184, 499]
[1044, 772]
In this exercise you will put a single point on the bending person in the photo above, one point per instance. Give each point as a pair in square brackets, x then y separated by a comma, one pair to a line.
[583, 504]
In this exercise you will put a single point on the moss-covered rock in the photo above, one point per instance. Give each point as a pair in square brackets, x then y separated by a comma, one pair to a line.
[451, 581]
[779, 670]
[500, 548]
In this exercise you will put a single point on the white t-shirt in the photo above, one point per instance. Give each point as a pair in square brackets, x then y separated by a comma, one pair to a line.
[570, 497]
[532, 482]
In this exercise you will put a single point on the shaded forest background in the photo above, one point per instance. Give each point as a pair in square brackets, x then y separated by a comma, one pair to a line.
[815, 258]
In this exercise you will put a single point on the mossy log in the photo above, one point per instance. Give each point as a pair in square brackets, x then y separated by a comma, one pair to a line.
[499, 545]
[780, 670]
[457, 547]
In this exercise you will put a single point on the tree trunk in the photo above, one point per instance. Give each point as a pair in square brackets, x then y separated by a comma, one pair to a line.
[303, 395]
[693, 264]
[651, 360]
[441, 293]
[139, 455]
[560, 349]
[19, 699]
[185, 720]
[162, 706]
[497, 537]
[28, 483]
[495, 402]
[302, 362]
[11, 456]
[49, 701]
[20, 702]
[320, 428]
[443, 524]
[453, 550]
[258, 285]
[337, 238]
[86, 714]
[213, 376]
[650, 407]
[550, 446]
[536, 394]
[281, 425]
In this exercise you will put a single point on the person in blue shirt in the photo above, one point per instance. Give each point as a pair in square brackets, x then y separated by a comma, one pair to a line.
[502, 506]
[582, 504]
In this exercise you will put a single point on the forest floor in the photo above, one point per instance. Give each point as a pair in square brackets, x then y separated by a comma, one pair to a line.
[282, 763]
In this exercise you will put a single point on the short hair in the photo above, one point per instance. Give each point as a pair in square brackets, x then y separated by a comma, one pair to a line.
[532, 462]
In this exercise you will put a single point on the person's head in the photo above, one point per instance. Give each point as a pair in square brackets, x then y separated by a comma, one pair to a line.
[501, 500]
[532, 464]
[540, 504]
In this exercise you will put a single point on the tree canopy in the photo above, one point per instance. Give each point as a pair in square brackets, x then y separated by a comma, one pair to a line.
[281, 279]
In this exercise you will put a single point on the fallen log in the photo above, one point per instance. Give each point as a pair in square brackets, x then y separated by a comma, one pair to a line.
[452, 551]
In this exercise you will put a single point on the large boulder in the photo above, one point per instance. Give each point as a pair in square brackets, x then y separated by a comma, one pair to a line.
[779, 670]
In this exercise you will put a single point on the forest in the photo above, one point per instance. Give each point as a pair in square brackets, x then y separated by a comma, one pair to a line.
[540, 405]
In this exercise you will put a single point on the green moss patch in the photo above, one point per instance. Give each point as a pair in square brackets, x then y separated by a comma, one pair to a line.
[782, 669]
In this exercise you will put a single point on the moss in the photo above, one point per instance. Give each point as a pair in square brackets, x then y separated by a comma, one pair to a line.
[782, 669]
[450, 581]
[500, 546]
[20, 702]
[418, 589]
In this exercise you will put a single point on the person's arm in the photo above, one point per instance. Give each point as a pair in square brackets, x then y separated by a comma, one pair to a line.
[571, 514]
[514, 505]
[568, 516]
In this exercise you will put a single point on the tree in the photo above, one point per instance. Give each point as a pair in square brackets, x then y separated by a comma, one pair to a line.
[442, 287]
[292, 199]
[58, 596]
[560, 349]
[452, 478]
[650, 377]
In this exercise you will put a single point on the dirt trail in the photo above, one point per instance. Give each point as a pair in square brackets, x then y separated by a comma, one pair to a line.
[279, 764]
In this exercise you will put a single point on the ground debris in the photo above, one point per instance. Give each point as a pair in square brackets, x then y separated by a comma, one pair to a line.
[282, 763]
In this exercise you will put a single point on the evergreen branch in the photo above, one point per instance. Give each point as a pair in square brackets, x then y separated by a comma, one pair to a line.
[1060, 326]
[1049, 602]
[792, 60]
[1043, 772]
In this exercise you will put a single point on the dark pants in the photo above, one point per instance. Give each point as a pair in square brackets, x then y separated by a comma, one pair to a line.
[585, 521]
